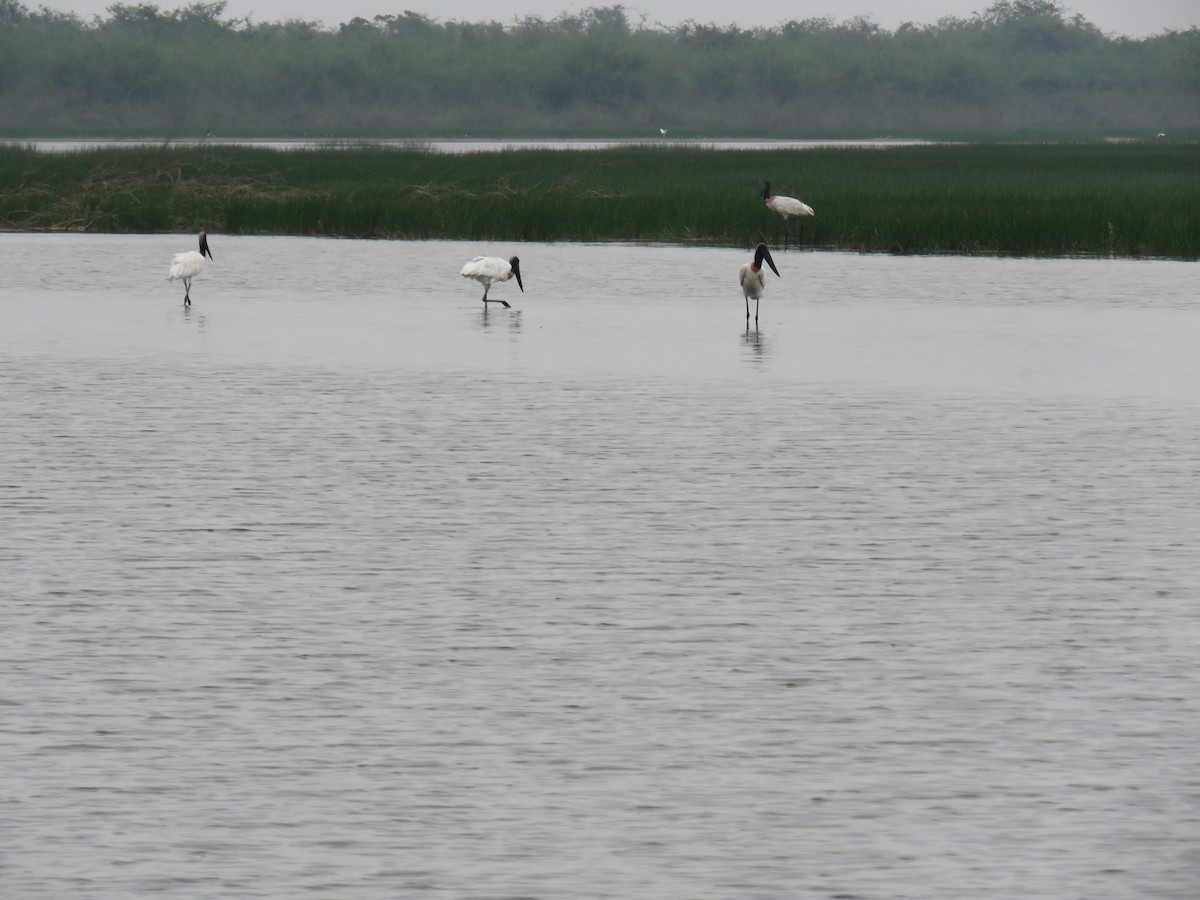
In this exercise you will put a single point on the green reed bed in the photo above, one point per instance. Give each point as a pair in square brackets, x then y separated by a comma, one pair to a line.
[1136, 199]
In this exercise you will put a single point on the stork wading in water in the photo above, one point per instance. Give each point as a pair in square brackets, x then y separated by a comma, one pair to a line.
[787, 207]
[753, 282]
[188, 265]
[487, 270]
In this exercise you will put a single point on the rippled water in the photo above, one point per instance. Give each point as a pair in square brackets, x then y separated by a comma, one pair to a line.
[336, 586]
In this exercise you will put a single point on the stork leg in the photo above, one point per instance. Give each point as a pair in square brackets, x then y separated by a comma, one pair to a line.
[747, 312]
[486, 301]
[755, 314]
[187, 292]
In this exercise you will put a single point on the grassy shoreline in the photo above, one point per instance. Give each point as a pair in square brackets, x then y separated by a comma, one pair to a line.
[1101, 199]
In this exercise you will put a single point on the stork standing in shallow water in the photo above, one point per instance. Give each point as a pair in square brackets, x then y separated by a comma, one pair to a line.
[188, 265]
[489, 269]
[787, 207]
[751, 276]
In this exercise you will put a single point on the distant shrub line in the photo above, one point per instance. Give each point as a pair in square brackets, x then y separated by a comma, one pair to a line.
[1022, 68]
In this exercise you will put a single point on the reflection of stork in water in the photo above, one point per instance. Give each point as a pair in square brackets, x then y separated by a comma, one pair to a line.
[787, 207]
[489, 269]
[752, 278]
[755, 345]
[188, 265]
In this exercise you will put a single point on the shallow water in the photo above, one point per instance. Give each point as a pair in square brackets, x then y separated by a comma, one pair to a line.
[471, 145]
[335, 585]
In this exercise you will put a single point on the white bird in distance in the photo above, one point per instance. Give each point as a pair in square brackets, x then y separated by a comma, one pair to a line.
[188, 265]
[487, 270]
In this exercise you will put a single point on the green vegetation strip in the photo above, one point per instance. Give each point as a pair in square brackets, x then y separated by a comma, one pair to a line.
[1122, 199]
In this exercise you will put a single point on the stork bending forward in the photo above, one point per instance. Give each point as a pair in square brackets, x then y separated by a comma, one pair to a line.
[487, 270]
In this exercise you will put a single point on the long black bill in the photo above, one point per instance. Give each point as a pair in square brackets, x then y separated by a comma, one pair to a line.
[762, 253]
[204, 251]
[516, 267]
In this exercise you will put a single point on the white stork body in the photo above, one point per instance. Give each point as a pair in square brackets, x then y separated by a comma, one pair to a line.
[487, 270]
[188, 265]
[751, 276]
[785, 206]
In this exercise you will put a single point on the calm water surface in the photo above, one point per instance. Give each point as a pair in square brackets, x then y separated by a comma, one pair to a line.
[337, 586]
[469, 145]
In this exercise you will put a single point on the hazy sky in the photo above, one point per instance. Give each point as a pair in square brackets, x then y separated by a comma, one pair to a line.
[1136, 18]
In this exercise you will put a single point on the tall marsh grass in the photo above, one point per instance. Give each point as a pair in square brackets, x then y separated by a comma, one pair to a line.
[1136, 199]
